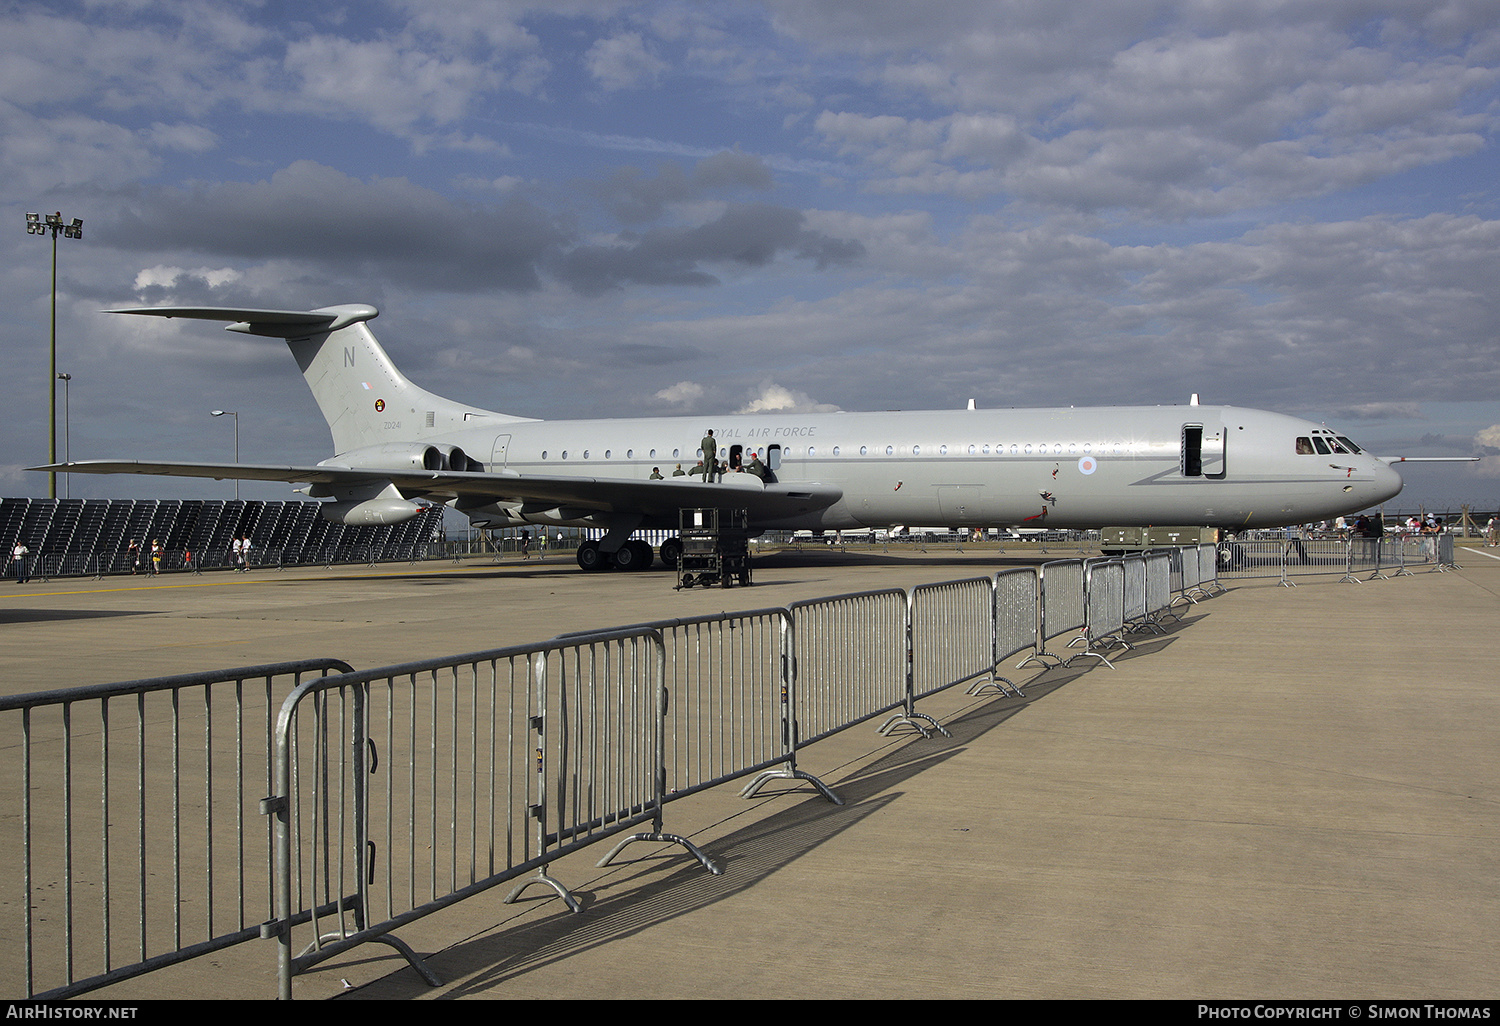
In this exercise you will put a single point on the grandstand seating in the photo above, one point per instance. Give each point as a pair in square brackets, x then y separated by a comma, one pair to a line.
[74, 537]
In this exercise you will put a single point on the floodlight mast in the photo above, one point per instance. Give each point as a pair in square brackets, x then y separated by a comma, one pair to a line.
[37, 224]
[236, 416]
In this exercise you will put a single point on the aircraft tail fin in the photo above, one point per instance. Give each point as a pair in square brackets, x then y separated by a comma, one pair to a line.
[357, 387]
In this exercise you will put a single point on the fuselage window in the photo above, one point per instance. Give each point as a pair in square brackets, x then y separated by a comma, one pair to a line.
[986, 449]
[585, 454]
[675, 453]
[1072, 448]
[544, 454]
[916, 450]
[942, 450]
[812, 450]
[890, 450]
[864, 450]
[565, 454]
[1087, 448]
[835, 450]
[1028, 448]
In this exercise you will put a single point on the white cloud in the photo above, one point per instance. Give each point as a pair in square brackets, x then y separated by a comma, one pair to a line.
[165, 277]
[683, 393]
[623, 62]
[774, 398]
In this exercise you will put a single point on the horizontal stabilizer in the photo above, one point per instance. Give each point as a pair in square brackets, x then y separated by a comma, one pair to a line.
[272, 323]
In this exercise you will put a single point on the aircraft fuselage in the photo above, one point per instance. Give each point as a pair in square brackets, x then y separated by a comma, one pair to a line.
[1086, 467]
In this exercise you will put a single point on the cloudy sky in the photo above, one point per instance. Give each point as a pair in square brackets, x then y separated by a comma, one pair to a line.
[599, 208]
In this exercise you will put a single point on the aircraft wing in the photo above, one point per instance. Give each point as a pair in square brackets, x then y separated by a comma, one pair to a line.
[604, 494]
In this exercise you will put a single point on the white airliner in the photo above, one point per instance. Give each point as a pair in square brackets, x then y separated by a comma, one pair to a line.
[394, 443]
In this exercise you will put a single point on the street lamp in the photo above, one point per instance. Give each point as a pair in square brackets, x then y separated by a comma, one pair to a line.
[36, 224]
[236, 416]
[67, 380]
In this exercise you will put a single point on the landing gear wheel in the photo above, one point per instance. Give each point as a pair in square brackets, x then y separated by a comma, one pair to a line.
[648, 554]
[632, 556]
[590, 558]
[671, 552]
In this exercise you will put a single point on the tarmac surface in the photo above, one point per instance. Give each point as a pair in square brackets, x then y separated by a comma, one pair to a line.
[1292, 795]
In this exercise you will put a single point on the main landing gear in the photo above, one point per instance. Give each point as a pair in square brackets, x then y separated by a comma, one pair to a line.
[633, 555]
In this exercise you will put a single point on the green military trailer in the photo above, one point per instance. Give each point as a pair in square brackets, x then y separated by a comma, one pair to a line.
[1118, 541]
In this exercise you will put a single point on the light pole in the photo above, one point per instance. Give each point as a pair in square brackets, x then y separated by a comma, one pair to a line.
[236, 416]
[36, 225]
[67, 380]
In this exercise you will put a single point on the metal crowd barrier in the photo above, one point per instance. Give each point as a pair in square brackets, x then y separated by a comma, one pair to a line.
[139, 843]
[1105, 591]
[1376, 558]
[951, 627]
[1018, 595]
[1159, 575]
[396, 792]
[1062, 606]
[402, 790]
[850, 661]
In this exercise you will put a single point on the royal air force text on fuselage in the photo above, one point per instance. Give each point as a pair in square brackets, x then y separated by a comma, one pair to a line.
[768, 433]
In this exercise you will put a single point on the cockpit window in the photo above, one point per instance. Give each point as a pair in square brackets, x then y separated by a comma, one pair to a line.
[1322, 446]
[1304, 447]
[1337, 447]
[1352, 447]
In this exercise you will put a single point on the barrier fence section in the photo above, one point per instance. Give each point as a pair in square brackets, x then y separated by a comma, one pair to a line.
[1391, 555]
[849, 661]
[1158, 587]
[1104, 589]
[951, 641]
[402, 790]
[1018, 595]
[1062, 606]
[139, 844]
[728, 695]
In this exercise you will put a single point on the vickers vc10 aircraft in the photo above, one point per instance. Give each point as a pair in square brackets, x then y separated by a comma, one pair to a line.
[395, 443]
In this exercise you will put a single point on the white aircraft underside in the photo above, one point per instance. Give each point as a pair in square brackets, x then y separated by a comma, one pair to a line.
[1216, 466]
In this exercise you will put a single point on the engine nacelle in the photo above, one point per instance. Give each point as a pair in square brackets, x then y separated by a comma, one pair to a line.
[396, 456]
[406, 456]
[370, 511]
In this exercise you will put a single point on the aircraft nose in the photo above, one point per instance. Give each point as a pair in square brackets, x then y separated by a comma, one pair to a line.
[1387, 483]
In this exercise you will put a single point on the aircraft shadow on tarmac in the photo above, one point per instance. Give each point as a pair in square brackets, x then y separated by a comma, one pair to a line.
[11, 616]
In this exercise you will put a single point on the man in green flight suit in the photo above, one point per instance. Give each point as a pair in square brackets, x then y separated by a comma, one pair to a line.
[710, 450]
